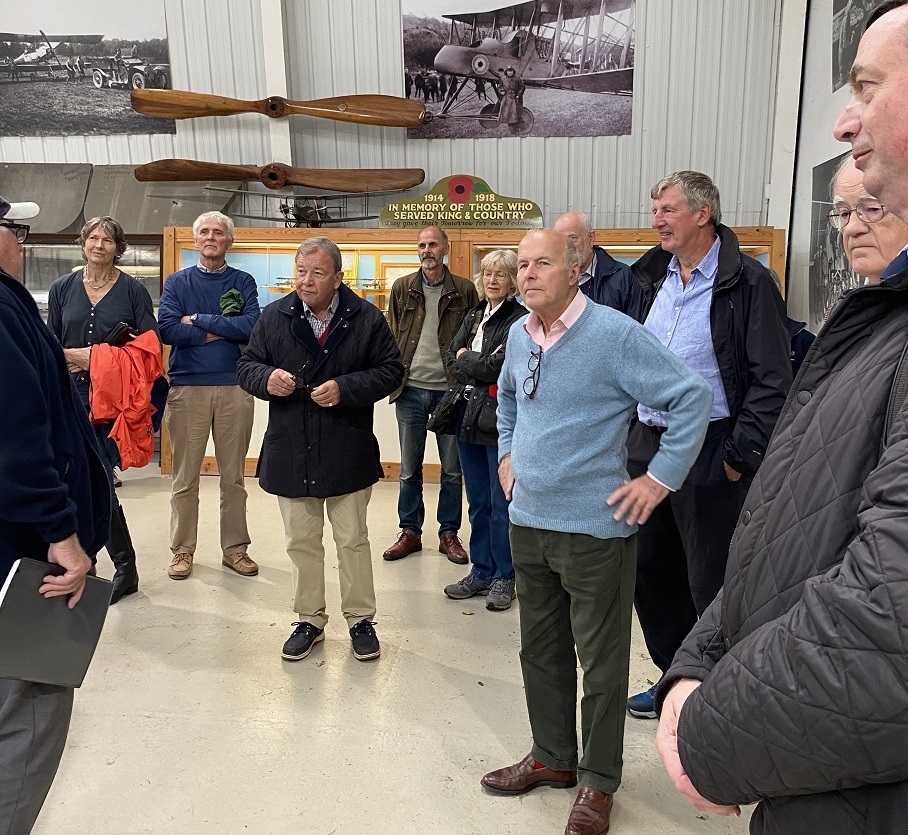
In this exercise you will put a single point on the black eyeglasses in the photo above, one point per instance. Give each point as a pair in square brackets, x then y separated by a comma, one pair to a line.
[298, 380]
[870, 211]
[534, 365]
[19, 229]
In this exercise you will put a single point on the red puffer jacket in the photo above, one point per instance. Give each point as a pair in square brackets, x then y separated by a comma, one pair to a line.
[121, 381]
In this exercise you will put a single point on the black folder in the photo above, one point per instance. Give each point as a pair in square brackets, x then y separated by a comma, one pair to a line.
[42, 639]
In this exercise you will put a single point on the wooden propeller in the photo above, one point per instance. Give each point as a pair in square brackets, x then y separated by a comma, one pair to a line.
[276, 175]
[388, 111]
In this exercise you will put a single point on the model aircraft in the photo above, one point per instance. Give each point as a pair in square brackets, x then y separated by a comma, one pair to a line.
[302, 210]
[584, 45]
[39, 52]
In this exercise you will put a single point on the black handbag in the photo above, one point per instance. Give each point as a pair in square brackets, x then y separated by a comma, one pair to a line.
[443, 420]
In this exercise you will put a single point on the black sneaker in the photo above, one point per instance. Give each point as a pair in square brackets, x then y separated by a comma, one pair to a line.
[365, 641]
[300, 643]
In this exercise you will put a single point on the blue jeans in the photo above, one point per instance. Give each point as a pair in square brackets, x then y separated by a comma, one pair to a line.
[490, 547]
[413, 408]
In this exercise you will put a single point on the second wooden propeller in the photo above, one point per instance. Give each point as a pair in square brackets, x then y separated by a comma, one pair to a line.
[276, 175]
[385, 111]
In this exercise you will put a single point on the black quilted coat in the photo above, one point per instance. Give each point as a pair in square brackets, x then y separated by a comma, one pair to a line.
[309, 450]
[804, 655]
[480, 369]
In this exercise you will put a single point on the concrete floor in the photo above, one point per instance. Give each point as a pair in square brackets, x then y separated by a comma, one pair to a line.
[190, 722]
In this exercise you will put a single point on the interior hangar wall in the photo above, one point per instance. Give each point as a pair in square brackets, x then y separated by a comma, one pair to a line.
[703, 98]
[704, 95]
[215, 47]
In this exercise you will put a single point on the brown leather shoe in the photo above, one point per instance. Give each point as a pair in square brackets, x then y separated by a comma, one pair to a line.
[590, 813]
[241, 563]
[452, 548]
[407, 543]
[524, 777]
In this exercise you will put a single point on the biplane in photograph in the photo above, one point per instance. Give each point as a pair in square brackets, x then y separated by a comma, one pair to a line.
[581, 45]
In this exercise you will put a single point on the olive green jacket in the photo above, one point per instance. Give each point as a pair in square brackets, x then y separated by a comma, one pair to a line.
[407, 312]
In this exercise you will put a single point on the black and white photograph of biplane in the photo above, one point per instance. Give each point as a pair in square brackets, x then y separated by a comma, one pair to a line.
[68, 68]
[531, 68]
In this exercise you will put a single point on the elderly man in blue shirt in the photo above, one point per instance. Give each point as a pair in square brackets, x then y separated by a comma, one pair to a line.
[720, 312]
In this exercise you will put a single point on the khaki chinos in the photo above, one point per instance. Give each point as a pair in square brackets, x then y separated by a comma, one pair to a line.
[192, 413]
[304, 522]
[578, 590]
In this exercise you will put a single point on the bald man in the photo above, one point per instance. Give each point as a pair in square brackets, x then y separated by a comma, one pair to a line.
[602, 278]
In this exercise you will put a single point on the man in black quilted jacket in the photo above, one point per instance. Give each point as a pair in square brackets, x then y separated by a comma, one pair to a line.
[790, 692]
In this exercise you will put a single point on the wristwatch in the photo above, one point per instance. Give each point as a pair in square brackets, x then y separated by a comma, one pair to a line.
[193, 318]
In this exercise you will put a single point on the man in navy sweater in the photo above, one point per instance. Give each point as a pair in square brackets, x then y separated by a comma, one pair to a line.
[575, 369]
[54, 507]
[207, 311]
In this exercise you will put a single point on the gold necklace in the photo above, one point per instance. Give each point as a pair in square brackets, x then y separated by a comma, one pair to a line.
[103, 284]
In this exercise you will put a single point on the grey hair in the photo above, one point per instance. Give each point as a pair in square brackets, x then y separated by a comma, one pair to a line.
[220, 217]
[500, 259]
[843, 164]
[698, 191]
[312, 245]
[109, 225]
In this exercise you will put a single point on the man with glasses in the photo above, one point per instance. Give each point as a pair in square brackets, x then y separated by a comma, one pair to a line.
[322, 357]
[573, 373]
[873, 236]
[54, 507]
[790, 690]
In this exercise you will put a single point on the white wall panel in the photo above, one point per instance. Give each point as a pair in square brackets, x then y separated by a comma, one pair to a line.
[215, 47]
[704, 96]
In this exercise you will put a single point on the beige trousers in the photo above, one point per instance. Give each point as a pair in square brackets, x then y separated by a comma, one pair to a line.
[304, 521]
[192, 413]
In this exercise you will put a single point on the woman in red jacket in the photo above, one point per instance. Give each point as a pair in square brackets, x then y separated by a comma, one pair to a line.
[84, 307]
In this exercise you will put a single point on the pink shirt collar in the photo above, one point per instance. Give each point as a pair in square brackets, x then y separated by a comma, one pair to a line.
[533, 324]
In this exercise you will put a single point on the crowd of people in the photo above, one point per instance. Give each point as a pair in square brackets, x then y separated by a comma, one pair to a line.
[628, 436]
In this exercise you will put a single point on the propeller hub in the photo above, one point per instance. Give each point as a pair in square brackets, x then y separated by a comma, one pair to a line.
[274, 106]
[273, 176]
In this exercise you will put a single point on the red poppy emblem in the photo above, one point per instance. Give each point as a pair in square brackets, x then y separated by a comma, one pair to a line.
[460, 188]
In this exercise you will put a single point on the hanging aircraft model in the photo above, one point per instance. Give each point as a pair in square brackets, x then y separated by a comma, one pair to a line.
[39, 56]
[362, 109]
[297, 211]
[583, 45]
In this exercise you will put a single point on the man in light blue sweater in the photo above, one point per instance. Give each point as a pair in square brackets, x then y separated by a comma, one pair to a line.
[572, 378]
[207, 311]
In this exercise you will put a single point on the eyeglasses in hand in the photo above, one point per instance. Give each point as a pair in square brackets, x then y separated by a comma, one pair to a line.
[534, 365]
[870, 211]
[20, 230]
[299, 379]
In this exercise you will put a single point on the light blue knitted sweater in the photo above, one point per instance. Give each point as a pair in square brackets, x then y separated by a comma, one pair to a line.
[567, 445]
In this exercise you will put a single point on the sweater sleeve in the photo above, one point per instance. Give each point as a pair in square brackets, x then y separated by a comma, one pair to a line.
[234, 328]
[171, 309]
[815, 700]
[658, 379]
[507, 407]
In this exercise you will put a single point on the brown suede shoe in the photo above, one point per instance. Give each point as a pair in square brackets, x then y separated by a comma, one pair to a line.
[590, 813]
[241, 563]
[407, 543]
[452, 548]
[180, 566]
[524, 777]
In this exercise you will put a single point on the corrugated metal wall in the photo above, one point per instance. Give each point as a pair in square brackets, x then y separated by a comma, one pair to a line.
[215, 47]
[704, 82]
[704, 91]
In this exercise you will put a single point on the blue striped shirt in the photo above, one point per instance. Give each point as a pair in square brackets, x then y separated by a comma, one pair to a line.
[679, 319]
